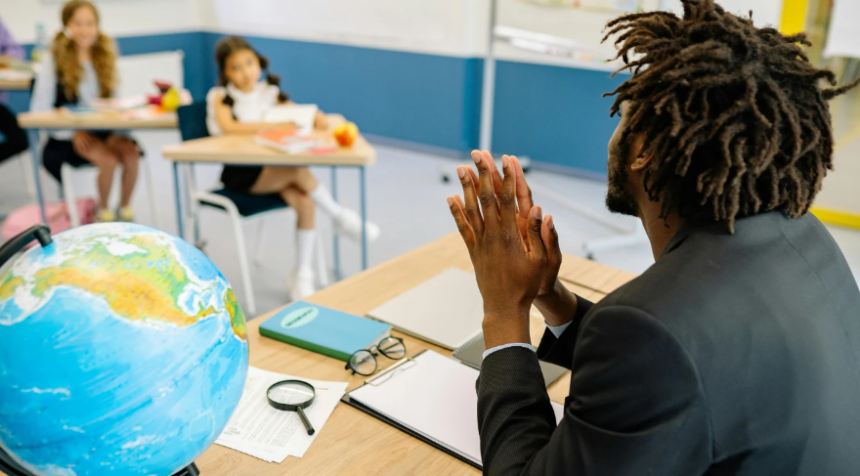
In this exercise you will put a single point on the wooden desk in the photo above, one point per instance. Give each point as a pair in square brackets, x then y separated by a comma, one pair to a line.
[114, 121]
[16, 76]
[242, 149]
[15, 84]
[352, 442]
[61, 119]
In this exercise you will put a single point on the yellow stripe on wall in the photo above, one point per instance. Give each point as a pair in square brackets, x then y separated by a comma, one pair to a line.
[793, 16]
[836, 217]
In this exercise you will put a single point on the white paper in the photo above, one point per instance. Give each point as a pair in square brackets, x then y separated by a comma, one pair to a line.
[303, 115]
[261, 431]
[436, 398]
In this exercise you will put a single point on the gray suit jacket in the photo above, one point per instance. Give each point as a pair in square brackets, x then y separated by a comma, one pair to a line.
[733, 354]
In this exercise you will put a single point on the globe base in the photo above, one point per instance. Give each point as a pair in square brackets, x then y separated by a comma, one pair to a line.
[190, 470]
[11, 468]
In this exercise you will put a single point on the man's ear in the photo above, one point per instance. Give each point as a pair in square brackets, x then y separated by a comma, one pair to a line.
[639, 162]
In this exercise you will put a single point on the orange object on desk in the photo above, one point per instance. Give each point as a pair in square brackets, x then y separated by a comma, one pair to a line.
[345, 134]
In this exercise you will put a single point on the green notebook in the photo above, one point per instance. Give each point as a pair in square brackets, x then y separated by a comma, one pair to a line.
[323, 330]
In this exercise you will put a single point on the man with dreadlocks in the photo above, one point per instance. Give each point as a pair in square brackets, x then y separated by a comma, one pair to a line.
[738, 351]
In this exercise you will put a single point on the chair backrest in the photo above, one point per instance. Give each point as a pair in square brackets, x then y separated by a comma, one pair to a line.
[192, 121]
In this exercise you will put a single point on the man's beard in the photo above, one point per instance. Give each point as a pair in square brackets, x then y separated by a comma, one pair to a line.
[618, 200]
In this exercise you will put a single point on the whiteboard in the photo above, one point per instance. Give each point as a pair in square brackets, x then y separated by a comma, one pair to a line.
[583, 22]
[137, 72]
[844, 36]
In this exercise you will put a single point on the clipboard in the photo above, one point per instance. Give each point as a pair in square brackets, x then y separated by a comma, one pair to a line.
[391, 374]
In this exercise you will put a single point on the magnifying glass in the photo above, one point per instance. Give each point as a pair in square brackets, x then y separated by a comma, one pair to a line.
[293, 396]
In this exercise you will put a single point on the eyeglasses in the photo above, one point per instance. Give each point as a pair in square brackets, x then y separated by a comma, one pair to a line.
[363, 362]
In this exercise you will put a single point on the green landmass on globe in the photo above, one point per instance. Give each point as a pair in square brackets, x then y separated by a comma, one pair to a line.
[152, 281]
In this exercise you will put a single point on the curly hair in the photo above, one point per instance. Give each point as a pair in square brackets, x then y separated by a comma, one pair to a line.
[231, 44]
[732, 116]
[103, 54]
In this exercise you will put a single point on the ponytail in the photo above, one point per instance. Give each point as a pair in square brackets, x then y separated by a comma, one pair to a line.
[272, 79]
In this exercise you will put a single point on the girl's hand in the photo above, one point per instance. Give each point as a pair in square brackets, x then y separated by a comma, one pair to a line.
[321, 122]
[286, 125]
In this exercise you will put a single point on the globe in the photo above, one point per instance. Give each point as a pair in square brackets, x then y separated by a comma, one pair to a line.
[122, 351]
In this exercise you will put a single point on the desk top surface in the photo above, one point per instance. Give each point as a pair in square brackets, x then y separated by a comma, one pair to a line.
[352, 442]
[14, 84]
[109, 120]
[242, 149]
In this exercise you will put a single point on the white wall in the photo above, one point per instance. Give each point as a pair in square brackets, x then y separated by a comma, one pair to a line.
[119, 18]
[446, 27]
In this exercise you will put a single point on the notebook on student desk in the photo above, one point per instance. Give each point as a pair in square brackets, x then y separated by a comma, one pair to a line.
[447, 310]
[432, 398]
[303, 115]
[472, 354]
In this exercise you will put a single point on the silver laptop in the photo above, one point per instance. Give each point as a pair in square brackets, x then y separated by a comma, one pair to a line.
[472, 354]
[447, 310]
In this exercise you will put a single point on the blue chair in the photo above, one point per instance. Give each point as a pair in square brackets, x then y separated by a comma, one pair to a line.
[239, 207]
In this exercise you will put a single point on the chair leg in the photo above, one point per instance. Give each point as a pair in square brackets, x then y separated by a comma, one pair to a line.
[153, 201]
[243, 263]
[69, 193]
[29, 180]
[322, 269]
[261, 237]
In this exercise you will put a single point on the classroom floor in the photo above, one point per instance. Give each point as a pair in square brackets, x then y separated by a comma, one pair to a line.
[406, 198]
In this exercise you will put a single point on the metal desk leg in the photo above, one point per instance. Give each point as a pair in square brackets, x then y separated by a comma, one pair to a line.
[363, 219]
[178, 198]
[338, 274]
[37, 163]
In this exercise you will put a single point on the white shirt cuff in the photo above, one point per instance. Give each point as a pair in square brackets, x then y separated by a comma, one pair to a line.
[557, 331]
[505, 346]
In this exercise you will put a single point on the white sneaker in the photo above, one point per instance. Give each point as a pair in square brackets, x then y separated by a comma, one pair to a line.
[301, 283]
[348, 225]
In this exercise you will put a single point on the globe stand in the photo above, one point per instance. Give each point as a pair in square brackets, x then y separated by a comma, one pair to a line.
[11, 468]
[190, 470]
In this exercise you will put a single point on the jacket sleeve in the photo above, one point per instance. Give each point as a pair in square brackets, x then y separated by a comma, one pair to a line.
[559, 350]
[635, 406]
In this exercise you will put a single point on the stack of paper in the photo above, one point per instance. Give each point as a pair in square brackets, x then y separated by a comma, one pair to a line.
[261, 431]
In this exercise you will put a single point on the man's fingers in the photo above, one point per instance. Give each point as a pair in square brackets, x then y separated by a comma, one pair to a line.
[507, 197]
[462, 225]
[524, 193]
[471, 209]
[537, 249]
[494, 172]
[486, 195]
[549, 237]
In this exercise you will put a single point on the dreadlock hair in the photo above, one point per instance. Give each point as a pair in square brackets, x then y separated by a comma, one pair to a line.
[231, 44]
[731, 115]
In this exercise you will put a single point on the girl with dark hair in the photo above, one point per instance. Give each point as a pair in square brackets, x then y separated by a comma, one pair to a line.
[237, 106]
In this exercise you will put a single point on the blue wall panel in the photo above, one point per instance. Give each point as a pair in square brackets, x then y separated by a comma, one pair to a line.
[422, 98]
[554, 114]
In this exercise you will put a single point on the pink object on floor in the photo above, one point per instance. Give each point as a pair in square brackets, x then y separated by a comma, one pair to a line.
[58, 218]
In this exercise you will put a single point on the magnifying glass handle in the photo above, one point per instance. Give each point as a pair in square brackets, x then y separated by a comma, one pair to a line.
[307, 422]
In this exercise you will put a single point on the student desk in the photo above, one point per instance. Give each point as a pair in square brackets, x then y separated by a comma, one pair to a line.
[60, 119]
[242, 149]
[352, 442]
[14, 84]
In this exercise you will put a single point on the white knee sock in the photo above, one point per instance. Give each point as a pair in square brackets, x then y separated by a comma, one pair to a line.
[322, 197]
[305, 242]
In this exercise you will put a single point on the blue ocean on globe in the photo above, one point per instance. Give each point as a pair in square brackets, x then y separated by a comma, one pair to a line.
[122, 350]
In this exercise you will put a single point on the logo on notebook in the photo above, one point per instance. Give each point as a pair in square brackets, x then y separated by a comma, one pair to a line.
[299, 317]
